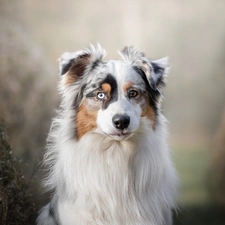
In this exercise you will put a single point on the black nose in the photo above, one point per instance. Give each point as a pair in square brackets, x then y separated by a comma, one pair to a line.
[121, 121]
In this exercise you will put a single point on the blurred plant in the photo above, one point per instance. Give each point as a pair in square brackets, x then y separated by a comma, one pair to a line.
[27, 89]
[218, 168]
[27, 95]
[16, 206]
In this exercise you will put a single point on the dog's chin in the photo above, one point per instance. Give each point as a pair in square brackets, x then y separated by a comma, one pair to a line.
[119, 136]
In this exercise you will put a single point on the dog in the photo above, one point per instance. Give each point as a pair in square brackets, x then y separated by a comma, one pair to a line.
[107, 154]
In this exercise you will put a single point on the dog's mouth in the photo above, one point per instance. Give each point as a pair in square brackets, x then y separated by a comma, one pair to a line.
[120, 135]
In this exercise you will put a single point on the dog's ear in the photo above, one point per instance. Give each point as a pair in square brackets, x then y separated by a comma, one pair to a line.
[73, 65]
[154, 71]
[159, 71]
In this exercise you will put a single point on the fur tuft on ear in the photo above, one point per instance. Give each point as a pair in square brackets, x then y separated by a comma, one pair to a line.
[131, 54]
[73, 65]
[154, 71]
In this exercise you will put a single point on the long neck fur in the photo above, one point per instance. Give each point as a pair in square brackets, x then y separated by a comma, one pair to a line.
[111, 179]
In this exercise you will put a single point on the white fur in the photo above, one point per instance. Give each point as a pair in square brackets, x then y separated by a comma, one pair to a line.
[108, 182]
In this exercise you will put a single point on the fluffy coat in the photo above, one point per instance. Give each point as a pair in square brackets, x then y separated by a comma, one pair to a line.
[98, 174]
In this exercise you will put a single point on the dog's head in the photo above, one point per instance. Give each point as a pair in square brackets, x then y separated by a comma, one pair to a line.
[111, 97]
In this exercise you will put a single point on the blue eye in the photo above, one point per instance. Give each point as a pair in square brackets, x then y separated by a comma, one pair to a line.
[101, 95]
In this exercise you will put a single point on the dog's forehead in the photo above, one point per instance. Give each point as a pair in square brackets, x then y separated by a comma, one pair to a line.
[123, 72]
[116, 73]
[119, 69]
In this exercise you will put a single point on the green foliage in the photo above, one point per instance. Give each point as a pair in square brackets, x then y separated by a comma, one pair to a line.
[15, 201]
[199, 215]
[193, 166]
[195, 200]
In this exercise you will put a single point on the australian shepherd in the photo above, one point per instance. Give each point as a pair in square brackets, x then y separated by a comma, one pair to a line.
[107, 154]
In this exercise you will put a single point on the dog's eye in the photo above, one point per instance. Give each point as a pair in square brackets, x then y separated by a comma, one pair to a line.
[100, 95]
[133, 93]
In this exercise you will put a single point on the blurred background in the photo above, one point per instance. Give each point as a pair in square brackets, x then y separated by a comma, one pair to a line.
[33, 34]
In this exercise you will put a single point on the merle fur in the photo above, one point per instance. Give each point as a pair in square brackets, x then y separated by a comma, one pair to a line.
[160, 73]
[153, 94]
[114, 90]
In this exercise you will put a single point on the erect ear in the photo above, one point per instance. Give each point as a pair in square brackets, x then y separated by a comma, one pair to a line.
[159, 71]
[154, 71]
[73, 65]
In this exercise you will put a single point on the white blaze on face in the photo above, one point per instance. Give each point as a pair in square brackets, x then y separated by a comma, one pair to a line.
[127, 80]
[121, 107]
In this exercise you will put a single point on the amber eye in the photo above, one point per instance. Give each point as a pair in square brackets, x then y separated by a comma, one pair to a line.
[133, 93]
[100, 95]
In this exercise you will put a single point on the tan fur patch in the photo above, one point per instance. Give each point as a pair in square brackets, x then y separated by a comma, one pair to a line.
[127, 86]
[76, 70]
[106, 87]
[149, 113]
[85, 120]
[68, 78]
